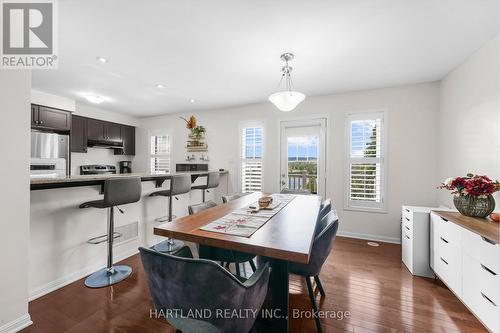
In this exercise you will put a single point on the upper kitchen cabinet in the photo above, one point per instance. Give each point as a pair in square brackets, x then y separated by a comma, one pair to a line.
[78, 134]
[113, 131]
[99, 130]
[44, 117]
[128, 137]
[95, 130]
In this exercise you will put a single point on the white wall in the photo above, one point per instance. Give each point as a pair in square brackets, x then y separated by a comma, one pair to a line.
[412, 113]
[14, 198]
[469, 139]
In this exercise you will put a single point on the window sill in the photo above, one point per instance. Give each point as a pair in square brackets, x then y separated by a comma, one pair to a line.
[367, 210]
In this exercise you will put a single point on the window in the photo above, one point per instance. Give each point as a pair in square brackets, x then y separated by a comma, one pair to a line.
[160, 152]
[365, 161]
[251, 159]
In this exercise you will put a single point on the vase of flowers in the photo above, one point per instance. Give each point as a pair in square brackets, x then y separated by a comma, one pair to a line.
[473, 194]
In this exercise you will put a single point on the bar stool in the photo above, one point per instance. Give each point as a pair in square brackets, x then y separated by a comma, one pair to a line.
[117, 191]
[179, 184]
[212, 182]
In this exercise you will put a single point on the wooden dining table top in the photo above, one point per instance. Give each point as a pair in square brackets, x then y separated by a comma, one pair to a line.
[288, 235]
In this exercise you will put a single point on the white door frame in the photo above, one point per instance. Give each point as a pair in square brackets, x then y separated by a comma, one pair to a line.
[322, 157]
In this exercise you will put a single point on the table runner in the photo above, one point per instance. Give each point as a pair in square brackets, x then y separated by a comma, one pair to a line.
[243, 223]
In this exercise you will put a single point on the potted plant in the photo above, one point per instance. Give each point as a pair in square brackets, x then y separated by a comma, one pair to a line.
[198, 132]
[472, 194]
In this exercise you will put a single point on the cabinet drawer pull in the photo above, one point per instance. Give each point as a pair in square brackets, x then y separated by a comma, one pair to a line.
[443, 260]
[445, 220]
[488, 240]
[407, 228]
[407, 219]
[488, 270]
[488, 299]
[444, 240]
[407, 210]
[407, 236]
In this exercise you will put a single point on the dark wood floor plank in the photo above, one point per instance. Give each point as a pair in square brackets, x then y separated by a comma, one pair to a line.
[369, 282]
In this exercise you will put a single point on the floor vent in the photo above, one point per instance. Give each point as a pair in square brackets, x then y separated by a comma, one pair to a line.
[374, 244]
[127, 231]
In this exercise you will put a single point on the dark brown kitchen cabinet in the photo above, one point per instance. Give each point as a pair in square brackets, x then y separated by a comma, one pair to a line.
[95, 129]
[112, 131]
[99, 130]
[78, 134]
[44, 117]
[128, 137]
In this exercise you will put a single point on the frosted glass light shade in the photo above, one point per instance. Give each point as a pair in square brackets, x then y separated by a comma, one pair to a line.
[286, 100]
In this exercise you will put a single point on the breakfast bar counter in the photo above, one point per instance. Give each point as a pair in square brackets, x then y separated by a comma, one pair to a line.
[89, 180]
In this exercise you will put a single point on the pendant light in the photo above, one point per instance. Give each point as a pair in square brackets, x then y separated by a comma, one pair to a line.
[287, 99]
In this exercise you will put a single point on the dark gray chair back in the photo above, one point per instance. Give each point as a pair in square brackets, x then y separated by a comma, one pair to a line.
[120, 191]
[193, 209]
[180, 184]
[213, 179]
[322, 246]
[294, 191]
[191, 285]
[326, 207]
[227, 198]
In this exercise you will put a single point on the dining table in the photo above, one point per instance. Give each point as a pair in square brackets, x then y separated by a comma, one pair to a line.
[286, 237]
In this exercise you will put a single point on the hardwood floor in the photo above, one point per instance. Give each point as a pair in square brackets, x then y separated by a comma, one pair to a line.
[368, 282]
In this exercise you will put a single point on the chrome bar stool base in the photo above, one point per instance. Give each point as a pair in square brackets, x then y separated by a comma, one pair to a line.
[169, 246]
[106, 277]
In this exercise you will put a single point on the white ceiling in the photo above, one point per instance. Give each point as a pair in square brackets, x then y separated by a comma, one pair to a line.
[226, 52]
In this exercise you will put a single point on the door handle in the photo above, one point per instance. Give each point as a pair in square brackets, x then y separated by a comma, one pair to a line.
[443, 260]
[444, 240]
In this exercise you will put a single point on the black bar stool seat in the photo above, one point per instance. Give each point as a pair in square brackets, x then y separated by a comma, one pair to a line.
[179, 184]
[117, 191]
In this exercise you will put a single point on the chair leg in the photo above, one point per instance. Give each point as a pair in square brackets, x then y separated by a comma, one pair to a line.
[320, 286]
[203, 195]
[313, 303]
[237, 268]
[252, 264]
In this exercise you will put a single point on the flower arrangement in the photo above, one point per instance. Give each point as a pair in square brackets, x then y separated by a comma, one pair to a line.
[473, 194]
[471, 185]
[190, 123]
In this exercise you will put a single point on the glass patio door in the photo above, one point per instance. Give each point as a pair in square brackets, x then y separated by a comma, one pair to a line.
[303, 162]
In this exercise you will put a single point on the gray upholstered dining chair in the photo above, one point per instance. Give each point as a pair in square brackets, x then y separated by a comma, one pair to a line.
[325, 233]
[201, 286]
[227, 198]
[223, 255]
[294, 191]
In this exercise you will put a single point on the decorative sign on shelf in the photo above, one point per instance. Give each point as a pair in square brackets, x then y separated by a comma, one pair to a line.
[196, 136]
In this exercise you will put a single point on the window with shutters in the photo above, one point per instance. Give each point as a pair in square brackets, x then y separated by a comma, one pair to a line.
[251, 158]
[365, 179]
[159, 152]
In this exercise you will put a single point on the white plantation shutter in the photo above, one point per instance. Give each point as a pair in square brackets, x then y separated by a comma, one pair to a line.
[251, 159]
[160, 152]
[366, 161]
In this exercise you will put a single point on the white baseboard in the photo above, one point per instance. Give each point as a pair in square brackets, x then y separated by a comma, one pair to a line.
[17, 324]
[63, 281]
[378, 238]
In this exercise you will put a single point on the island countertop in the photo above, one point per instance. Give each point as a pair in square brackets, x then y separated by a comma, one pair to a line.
[88, 180]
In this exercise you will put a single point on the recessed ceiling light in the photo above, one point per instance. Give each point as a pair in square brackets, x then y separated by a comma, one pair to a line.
[191, 100]
[103, 60]
[94, 99]
[160, 86]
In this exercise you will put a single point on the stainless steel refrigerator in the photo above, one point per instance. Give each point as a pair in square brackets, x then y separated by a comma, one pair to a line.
[50, 146]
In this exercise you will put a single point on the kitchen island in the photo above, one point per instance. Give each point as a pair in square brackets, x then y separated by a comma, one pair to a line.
[59, 230]
[90, 180]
